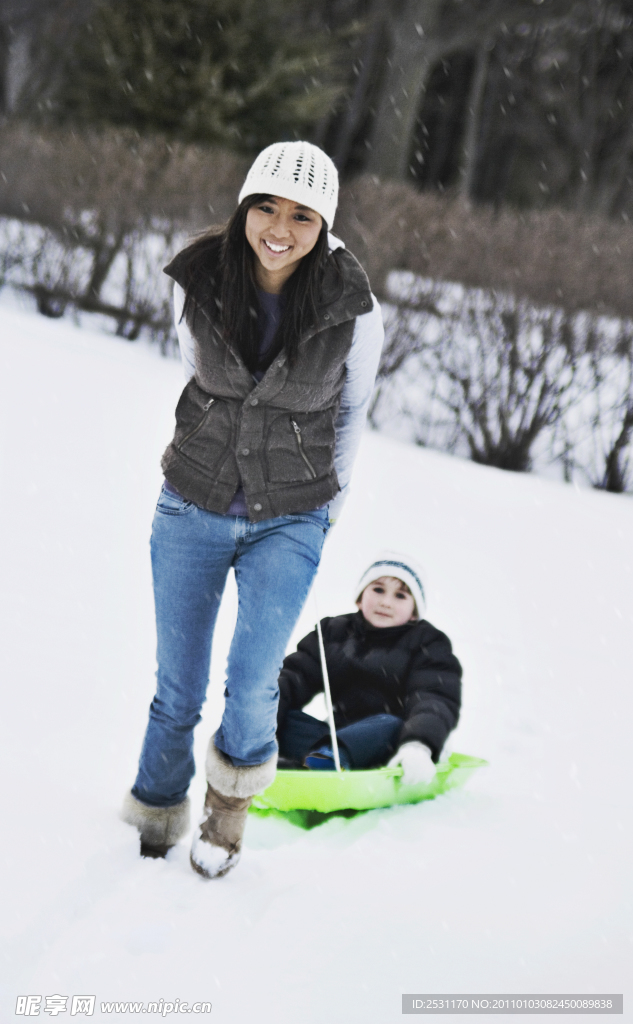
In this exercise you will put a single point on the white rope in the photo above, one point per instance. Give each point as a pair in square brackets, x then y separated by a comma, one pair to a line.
[326, 686]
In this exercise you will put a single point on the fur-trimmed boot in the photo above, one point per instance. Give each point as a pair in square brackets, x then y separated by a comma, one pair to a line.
[160, 828]
[217, 842]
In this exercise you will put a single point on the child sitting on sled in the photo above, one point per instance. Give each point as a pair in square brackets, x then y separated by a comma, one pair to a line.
[395, 682]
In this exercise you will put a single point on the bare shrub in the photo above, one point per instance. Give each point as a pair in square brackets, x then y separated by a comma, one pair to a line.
[39, 262]
[507, 384]
[11, 250]
[509, 375]
[119, 278]
[593, 441]
[501, 368]
[101, 214]
[517, 373]
[551, 257]
[54, 177]
[617, 475]
[141, 290]
[97, 192]
[417, 306]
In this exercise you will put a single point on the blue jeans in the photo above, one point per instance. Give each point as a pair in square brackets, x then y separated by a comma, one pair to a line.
[363, 744]
[192, 550]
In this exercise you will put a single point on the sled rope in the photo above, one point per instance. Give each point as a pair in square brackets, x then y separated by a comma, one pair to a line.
[326, 687]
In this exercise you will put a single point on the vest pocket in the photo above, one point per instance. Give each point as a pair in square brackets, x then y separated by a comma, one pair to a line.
[297, 430]
[203, 432]
[300, 447]
[199, 426]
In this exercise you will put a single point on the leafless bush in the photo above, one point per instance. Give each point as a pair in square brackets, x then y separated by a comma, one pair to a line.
[119, 278]
[93, 218]
[510, 378]
[54, 177]
[508, 371]
[593, 441]
[95, 193]
[551, 257]
[496, 379]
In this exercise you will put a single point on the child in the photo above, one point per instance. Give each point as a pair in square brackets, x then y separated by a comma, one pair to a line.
[395, 682]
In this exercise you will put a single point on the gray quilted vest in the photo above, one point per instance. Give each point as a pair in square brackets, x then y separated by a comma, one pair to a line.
[276, 436]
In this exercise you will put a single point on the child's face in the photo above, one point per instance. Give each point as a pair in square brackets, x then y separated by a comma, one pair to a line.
[387, 602]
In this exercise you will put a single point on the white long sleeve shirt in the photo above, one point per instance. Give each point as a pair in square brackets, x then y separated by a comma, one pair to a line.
[361, 366]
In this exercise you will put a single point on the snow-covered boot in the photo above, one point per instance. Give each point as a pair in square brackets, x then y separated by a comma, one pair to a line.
[160, 828]
[217, 842]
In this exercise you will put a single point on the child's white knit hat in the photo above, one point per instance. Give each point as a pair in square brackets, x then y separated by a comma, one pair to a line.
[392, 563]
[298, 171]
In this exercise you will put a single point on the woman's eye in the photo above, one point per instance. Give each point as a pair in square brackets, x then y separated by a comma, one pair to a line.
[302, 217]
[266, 209]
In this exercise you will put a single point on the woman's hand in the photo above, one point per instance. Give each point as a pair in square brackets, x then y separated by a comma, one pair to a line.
[417, 766]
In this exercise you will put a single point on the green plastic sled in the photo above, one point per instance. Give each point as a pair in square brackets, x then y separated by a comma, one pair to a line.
[297, 793]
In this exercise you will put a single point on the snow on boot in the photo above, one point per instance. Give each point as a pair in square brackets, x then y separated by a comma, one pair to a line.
[217, 841]
[160, 828]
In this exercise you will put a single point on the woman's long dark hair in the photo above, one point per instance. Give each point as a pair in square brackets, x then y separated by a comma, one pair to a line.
[228, 251]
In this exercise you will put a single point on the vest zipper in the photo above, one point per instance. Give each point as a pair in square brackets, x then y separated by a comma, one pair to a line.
[195, 430]
[297, 430]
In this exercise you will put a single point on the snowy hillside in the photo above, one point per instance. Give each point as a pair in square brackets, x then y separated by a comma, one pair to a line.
[519, 883]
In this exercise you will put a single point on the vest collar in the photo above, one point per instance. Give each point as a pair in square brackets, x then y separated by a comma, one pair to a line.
[345, 295]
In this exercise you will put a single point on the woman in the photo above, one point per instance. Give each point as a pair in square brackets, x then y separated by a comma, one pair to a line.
[280, 338]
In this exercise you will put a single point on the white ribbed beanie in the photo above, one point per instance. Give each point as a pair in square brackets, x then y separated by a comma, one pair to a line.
[298, 171]
[391, 563]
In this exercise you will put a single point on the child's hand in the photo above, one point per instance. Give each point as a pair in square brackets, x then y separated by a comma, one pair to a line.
[417, 766]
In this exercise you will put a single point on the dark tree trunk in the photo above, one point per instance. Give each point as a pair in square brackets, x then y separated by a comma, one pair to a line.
[346, 129]
[4, 70]
[412, 55]
[439, 132]
[473, 118]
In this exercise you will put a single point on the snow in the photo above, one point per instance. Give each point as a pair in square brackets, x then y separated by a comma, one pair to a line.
[519, 883]
[212, 859]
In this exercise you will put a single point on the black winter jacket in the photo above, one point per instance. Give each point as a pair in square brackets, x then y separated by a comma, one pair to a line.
[409, 671]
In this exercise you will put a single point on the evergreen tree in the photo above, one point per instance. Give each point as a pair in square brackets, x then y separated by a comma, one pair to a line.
[235, 72]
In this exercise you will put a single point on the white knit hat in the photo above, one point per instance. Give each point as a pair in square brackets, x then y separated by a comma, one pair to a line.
[391, 563]
[298, 171]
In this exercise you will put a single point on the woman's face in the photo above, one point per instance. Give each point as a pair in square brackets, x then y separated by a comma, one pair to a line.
[280, 233]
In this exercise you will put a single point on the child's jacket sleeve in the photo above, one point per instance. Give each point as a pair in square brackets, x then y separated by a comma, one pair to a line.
[433, 693]
[300, 679]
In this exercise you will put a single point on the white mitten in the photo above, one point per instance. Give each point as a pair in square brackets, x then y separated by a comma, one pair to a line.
[417, 766]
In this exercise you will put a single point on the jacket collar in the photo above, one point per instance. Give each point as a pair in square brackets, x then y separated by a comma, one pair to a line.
[346, 293]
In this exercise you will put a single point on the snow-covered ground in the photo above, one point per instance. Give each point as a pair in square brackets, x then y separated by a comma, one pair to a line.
[519, 883]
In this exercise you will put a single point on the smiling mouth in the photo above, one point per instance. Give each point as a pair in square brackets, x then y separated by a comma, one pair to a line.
[277, 250]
